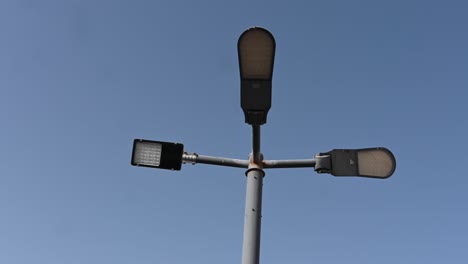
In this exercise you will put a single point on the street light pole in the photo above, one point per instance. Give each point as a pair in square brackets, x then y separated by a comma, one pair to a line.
[256, 53]
[253, 214]
[253, 202]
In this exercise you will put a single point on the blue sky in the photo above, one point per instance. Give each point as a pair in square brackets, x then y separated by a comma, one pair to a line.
[79, 80]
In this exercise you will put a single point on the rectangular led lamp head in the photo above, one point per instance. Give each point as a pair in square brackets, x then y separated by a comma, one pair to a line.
[157, 154]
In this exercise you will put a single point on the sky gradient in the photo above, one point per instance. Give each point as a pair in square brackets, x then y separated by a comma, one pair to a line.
[79, 80]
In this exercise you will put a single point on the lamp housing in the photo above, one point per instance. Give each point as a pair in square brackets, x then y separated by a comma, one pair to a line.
[368, 162]
[256, 52]
[157, 154]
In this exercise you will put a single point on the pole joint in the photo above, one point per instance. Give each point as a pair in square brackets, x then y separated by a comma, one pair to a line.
[255, 166]
[189, 158]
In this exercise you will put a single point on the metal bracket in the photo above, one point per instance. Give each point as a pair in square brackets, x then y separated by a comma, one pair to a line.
[322, 163]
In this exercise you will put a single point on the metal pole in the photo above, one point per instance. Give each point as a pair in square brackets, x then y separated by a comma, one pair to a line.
[194, 158]
[253, 214]
[257, 156]
[277, 164]
[253, 202]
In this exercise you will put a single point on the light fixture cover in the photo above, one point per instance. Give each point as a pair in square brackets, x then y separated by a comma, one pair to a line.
[367, 162]
[378, 162]
[256, 47]
[157, 154]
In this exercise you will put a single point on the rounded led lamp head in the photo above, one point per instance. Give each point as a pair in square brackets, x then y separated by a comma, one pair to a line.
[368, 162]
[256, 51]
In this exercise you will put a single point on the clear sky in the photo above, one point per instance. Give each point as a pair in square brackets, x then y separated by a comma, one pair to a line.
[79, 80]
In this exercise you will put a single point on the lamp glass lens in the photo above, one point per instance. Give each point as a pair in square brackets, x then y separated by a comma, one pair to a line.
[147, 153]
[256, 50]
[375, 162]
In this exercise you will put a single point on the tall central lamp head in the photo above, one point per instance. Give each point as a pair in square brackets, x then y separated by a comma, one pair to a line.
[256, 50]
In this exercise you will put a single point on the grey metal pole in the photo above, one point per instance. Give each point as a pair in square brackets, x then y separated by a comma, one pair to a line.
[194, 158]
[278, 164]
[257, 155]
[253, 202]
[253, 214]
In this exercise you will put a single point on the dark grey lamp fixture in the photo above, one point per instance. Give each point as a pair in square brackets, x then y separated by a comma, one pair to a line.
[369, 162]
[256, 51]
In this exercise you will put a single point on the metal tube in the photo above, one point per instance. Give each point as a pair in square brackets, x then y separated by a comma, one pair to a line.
[228, 162]
[256, 144]
[266, 164]
[223, 161]
[253, 215]
[302, 163]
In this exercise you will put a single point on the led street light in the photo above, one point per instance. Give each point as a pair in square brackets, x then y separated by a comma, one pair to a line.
[157, 154]
[368, 162]
[256, 51]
